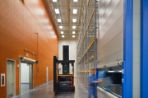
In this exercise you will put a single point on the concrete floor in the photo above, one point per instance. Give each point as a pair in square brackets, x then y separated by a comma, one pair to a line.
[46, 91]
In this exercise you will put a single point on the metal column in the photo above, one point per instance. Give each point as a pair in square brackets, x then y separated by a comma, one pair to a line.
[128, 49]
[144, 48]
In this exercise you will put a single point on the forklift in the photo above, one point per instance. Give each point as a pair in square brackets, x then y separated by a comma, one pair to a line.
[63, 82]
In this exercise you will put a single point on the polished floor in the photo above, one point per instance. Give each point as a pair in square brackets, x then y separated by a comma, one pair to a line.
[46, 91]
[24, 87]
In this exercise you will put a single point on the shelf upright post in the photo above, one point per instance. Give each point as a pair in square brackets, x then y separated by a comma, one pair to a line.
[128, 50]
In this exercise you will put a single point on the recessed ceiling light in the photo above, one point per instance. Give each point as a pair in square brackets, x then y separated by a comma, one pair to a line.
[75, 0]
[54, 0]
[62, 32]
[61, 27]
[74, 20]
[73, 36]
[57, 11]
[59, 20]
[73, 32]
[74, 27]
[74, 11]
[63, 36]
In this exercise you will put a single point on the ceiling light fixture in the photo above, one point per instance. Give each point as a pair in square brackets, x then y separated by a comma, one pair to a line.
[61, 27]
[62, 32]
[75, 0]
[73, 27]
[57, 11]
[73, 36]
[73, 32]
[74, 20]
[59, 20]
[74, 11]
[63, 36]
[54, 0]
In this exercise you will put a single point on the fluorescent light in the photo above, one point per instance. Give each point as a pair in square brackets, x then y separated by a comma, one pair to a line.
[111, 71]
[74, 20]
[75, 0]
[61, 27]
[63, 36]
[59, 20]
[74, 11]
[62, 32]
[54, 0]
[73, 32]
[57, 11]
[74, 27]
[73, 36]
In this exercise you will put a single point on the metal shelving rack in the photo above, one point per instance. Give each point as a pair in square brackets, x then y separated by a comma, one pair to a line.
[87, 41]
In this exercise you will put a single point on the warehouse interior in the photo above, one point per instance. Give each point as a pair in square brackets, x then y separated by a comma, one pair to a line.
[47, 45]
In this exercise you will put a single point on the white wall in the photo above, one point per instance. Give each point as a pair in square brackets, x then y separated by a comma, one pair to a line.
[72, 50]
[24, 73]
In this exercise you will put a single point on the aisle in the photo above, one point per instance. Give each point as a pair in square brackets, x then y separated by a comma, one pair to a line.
[46, 91]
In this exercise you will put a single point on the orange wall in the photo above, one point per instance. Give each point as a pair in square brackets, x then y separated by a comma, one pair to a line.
[17, 33]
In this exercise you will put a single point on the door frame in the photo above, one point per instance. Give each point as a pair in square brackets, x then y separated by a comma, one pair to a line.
[14, 68]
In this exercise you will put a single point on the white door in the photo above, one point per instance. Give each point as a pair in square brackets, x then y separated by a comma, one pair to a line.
[10, 78]
[26, 81]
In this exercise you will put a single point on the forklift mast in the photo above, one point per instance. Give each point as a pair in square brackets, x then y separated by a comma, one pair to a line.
[63, 82]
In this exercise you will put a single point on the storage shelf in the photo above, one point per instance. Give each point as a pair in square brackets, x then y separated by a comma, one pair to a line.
[87, 42]
[86, 32]
[87, 49]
